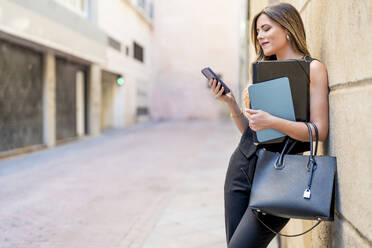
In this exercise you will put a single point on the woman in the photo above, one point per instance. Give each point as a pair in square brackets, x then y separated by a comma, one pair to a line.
[278, 34]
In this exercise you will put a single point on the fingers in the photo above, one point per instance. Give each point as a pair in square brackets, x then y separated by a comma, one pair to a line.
[248, 113]
[254, 118]
[210, 83]
[215, 87]
[219, 93]
[251, 111]
[248, 117]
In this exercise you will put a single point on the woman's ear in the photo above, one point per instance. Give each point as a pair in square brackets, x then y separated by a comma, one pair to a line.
[288, 37]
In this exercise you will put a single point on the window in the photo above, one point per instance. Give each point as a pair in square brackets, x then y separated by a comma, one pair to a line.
[151, 11]
[142, 111]
[79, 6]
[142, 3]
[144, 7]
[138, 51]
[114, 44]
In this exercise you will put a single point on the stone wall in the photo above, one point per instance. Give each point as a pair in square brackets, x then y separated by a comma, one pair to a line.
[339, 35]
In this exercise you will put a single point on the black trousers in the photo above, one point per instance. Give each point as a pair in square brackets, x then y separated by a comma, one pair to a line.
[243, 230]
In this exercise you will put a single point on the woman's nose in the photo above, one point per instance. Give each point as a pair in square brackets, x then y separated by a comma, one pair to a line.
[259, 36]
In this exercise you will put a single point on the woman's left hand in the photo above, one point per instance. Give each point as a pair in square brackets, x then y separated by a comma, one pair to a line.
[258, 119]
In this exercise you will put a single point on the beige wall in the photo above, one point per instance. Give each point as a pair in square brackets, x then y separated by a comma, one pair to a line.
[339, 35]
[27, 24]
[123, 21]
[189, 35]
[108, 90]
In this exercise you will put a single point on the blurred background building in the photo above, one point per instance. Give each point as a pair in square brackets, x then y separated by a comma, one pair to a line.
[188, 36]
[74, 68]
[70, 68]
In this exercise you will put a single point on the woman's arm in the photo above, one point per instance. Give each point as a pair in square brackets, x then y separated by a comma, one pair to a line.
[237, 115]
[318, 110]
[240, 120]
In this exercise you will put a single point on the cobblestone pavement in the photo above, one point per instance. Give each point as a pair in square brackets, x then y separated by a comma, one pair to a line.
[154, 185]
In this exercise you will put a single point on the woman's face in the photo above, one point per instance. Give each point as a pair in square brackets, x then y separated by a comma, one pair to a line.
[270, 35]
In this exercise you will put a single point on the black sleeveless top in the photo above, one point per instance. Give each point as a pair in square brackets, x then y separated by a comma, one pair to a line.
[300, 146]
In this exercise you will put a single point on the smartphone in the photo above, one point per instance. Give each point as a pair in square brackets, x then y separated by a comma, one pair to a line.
[209, 74]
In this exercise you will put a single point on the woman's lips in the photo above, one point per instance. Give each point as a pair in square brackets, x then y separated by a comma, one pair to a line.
[265, 43]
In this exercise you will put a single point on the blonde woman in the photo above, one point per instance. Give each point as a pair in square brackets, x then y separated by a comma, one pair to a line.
[277, 34]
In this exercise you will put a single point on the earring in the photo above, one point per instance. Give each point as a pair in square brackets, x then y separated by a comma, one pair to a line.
[288, 37]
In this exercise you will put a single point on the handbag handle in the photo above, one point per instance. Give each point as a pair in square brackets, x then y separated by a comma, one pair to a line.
[279, 165]
[279, 162]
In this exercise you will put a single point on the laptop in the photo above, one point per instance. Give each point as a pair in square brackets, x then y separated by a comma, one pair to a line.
[275, 97]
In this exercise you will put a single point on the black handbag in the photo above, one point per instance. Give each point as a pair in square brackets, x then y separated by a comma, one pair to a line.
[293, 185]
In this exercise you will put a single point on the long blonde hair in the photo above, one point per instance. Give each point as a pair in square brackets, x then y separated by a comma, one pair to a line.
[290, 19]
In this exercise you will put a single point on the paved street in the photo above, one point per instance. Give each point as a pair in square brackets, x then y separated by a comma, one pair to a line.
[151, 186]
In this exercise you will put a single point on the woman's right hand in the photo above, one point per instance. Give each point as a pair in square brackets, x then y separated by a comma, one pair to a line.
[217, 91]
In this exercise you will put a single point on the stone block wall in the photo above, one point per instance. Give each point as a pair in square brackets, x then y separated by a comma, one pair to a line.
[339, 35]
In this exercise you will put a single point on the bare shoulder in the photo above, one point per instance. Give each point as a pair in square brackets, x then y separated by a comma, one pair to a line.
[318, 73]
[317, 67]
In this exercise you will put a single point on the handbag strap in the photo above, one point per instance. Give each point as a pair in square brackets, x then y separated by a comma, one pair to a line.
[282, 234]
[311, 166]
[316, 137]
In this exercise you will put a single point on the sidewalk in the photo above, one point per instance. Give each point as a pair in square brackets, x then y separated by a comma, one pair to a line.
[194, 217]
[152, 186]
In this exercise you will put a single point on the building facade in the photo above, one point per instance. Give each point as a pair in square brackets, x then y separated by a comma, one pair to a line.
[337, 35]
[129, 27]
[188, 36]
[71, 68]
